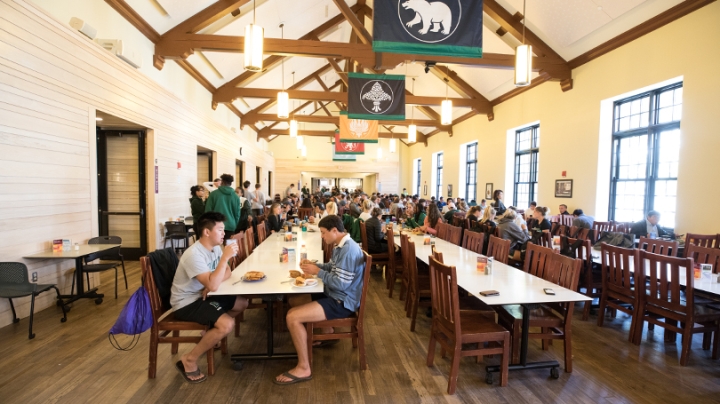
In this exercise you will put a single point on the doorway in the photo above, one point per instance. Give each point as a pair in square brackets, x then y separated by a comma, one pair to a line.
[239, 173]
[258, 179]
[121, 189]
[204, 165]
[270, 181]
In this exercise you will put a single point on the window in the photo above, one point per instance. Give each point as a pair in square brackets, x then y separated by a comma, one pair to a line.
[471, 171]
[438, 175]
[645, 155]
[526, 166]
[418, 171]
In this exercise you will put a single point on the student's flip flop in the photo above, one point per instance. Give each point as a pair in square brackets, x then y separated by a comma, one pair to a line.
[181, 368]
[293, 379]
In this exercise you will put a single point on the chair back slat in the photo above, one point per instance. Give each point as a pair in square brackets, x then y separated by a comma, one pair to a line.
[404, 251]
[13, 273]
[563, 271]
[413, 281]
[445, 298]
[474, 241]
[599, 227]
[305, 212]
[111, 253]
[583, 252]
[543, 239]
[582, 234]
[499, 249]
[701, 240]
[262, 232]
[704, 255]
[390, 236]
[566, 220]
[537, 260]
[452, 234]
[659, 283]
[242, 249]
[250, 240]
[366, 282]
[655, 246]
[617, 269]
[442, 229]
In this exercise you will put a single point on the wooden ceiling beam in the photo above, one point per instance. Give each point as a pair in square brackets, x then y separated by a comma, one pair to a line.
[208, 16]
[135, 19]
[461, 86]
[342, 97]
[267, 132]
[333, 119]
[355, 23]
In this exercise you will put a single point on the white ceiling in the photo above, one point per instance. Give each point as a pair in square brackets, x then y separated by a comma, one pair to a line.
[570, 27]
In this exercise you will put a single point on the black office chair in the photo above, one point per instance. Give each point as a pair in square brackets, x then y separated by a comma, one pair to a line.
[112, 255]
[14, 283]
[176, 231]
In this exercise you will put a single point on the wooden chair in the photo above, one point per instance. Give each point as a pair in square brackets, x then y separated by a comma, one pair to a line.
[474, 241]
[659, 298]
[356, 323]
[589, 279]
[704, 255]
[623, 227]
[418, 286]
[499, 249]
[618, 290]
[701, 240]
[304, 212]
[442, 229]
[537, 261]
[250, 240]
[453, 328]
[379, 259]
[262, 232]
[561, 230]
[162, 327]
[452, 234]
[599, 227]
[406, 273]
[582, 234]
[544, 239]
[327, 251]
[566, 220]
[397, 267]
[655, 246]
[553, 319]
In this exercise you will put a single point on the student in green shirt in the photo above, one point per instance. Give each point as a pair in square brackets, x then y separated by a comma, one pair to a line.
[418, 218]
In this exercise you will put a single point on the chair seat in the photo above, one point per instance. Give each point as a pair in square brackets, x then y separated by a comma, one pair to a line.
[474, 324]
[100, 267]
[705, 313]
[11, 291]
[472, 303]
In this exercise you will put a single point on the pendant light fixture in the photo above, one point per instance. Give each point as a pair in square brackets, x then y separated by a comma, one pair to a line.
[253, 49]
[446, 111]
[293, 121]
[283, 100]
[303, 151]
[392, 143]
[379, 153]
[412, 129]
[299, 142]
[523, 59]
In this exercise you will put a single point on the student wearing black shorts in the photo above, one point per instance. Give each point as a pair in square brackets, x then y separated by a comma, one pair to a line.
[202, 268]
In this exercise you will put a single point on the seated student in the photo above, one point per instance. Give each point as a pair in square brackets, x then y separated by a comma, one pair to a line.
[418, 217]
[447, 206]
[518, 235]
[450, 212]
[375, 230]
[649, 227]
[343, 280]
[474, 214]
[432, 219]
[275, 221]
[497, 203]
[540, 215]
[530, 210]
[367, 206]
[202, 268]
[472, 203]
[582, 221]
[320, 213]
[563, 210]
[489, 218]
[332, 209]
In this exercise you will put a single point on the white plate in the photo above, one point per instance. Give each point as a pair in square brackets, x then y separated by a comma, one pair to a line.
[308, 283]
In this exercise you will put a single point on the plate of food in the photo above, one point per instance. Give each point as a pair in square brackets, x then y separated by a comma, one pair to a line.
[253, 276]
[301, 282]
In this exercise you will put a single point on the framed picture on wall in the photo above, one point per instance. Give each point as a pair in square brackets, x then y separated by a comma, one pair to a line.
[488, 191]
[449, 190]
[563, 188]
[425, 189]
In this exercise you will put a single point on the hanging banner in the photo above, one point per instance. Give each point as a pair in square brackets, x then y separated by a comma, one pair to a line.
[376, 96]
[357, 130]
[343, 157]
[447, 28]
[347, 147]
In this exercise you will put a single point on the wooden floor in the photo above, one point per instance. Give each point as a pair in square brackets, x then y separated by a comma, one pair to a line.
[74, 363]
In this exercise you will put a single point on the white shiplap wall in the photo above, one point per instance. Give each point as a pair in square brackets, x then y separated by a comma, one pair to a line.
[52, 80]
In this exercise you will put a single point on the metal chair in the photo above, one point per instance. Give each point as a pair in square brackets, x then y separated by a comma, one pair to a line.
[112, 254]
[176, 231]
[14, 283]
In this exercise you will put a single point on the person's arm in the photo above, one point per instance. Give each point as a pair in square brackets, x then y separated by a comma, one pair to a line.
[340, 277]
[212, 280]
[427, 228]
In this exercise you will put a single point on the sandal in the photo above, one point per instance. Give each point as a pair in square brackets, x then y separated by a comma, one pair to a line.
[326, 343]
[181, 368]
[293, 379]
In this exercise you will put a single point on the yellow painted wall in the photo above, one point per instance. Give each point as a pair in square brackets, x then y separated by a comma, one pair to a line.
[570, 122]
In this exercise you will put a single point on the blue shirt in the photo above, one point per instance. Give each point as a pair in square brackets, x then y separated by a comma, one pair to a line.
[343, 275]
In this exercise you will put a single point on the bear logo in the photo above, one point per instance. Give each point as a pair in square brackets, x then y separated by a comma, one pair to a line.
[433, 15]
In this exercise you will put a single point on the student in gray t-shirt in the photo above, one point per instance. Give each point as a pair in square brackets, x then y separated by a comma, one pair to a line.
[202, 268]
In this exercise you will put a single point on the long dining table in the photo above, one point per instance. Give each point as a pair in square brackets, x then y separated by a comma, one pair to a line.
[515, 287]
[277, 282]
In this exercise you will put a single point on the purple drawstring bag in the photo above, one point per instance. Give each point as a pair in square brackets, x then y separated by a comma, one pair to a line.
[134, 319]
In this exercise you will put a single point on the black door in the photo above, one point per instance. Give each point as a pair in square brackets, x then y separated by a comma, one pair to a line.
[121, 189]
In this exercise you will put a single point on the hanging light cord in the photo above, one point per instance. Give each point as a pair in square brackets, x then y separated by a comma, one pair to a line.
[293, 111]
[412, 111]
[282, 62]
[253, 12]
[524, 19]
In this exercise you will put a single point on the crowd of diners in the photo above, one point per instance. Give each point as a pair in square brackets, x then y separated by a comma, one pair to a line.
[219, 211]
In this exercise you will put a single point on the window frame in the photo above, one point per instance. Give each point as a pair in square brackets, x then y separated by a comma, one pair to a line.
[419, 176]
[534, 152]
[439, 161]
[471, 165]
[653, 130]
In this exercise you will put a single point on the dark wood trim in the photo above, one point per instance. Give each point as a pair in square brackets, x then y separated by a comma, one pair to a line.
[459, 85]
[206, 17]
[134, 18]
[660, 20]
[196, 75]
[355, 23]
[519, 90]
